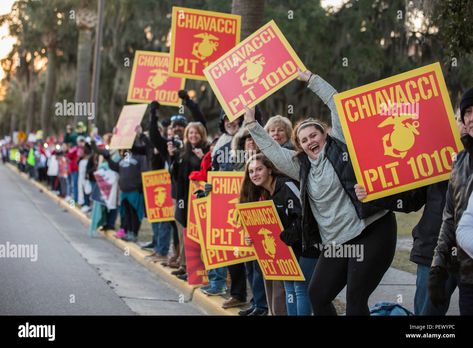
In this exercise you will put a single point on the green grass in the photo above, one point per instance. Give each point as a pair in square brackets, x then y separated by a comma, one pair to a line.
[406, 222]
[401, 262]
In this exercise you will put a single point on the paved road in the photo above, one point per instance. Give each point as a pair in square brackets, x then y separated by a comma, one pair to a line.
[73, 274]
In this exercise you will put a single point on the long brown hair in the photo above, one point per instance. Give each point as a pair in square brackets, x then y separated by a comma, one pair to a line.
[249, 191]
[310, 122]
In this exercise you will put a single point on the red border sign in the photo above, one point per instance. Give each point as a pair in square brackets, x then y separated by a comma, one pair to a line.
[199, 38]
[224, 230]
[157, 192]
[150, 80]
[256, 68]
[400, 131]
[276, 259]
[214, 258]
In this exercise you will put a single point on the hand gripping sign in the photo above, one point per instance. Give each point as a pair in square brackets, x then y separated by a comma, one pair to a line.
[124, 132]
[199, 38]
[224, 229]
[157, 192]
[214, 258]
[400, 131]
[250, 72]
[150, 80]
[277, 260]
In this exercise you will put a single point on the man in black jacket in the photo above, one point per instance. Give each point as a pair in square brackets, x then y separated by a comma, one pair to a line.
[448, 257]
[425, 235]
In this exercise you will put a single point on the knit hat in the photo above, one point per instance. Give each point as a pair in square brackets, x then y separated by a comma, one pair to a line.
[467, 100]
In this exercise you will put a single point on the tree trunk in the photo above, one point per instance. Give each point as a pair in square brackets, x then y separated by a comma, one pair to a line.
[30, 110]
[84, 54]
[49, 91]
[86, 20]
[251, 12]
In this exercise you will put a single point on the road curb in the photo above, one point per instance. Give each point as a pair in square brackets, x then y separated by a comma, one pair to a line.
[210, 305]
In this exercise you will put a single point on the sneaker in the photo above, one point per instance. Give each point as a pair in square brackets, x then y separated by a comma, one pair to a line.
[245, 312]
[120, 233]
[205, 287]
[85, 209]
[214, 292]
[129, 237]
[149, 245]
[183, 277]
[180, 271]
[233, 302]
[258, 312]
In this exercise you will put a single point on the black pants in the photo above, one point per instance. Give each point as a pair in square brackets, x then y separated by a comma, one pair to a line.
[378, 245]
[131, 223]
[466, 299]
[238, 277]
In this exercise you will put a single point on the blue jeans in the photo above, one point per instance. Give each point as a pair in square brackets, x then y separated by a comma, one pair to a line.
[72, 189]
[218, 278]
[422, 304]
[161, 237]
[297, 298]
[255, 277]
[112, 217]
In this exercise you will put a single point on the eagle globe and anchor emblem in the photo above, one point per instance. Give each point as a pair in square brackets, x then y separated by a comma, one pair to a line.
[402, 138]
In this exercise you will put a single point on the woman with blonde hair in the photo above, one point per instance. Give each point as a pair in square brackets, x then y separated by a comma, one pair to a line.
[280, 129]
[184, 161]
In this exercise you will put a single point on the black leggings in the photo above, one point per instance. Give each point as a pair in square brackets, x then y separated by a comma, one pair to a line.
[378, 244]
[131, 223]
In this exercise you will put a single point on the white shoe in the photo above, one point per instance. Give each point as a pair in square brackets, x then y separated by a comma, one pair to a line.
[85, 209]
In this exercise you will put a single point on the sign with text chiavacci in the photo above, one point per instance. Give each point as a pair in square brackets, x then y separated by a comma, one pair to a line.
[224, 229]
[214, 258]
[198, 38]
[157, 193]
[276, 259]
[150, 80]
[124, 132]
[400, 131]
[250, 72]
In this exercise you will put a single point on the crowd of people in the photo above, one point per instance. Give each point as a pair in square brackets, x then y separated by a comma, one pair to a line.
[303, 169]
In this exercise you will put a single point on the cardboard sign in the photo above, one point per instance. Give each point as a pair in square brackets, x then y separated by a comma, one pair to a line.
[213, 258]
[196, 273]
[199, 38]
[250, 72]
[191, 229]
[124, 132]
[150, 80]
[157, 192]
[224, 229]
[276, 259]
[400, 131]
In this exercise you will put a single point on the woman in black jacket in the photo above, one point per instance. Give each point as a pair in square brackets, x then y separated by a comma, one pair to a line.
[262, 182]
[183, 162]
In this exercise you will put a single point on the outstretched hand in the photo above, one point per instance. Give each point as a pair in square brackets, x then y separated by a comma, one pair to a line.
[249, 115]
